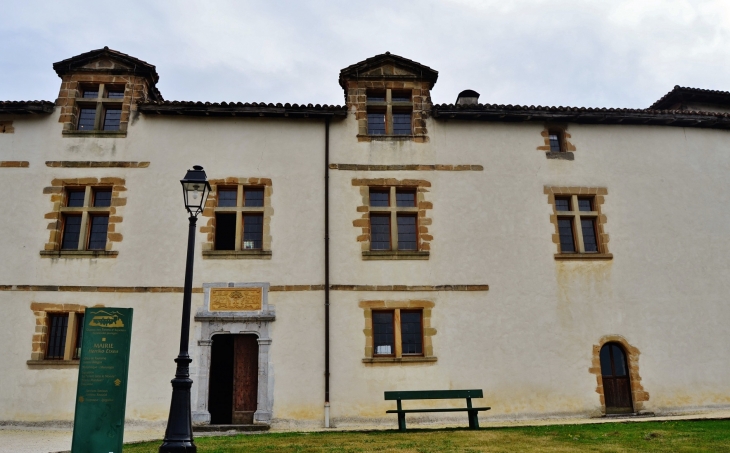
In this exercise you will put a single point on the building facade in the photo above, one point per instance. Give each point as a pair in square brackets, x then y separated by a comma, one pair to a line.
[567, 261]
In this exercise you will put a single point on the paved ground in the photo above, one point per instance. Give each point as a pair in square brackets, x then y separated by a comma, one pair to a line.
[34, 439]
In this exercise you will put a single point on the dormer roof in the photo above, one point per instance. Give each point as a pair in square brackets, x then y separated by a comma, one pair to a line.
[686, 98]
[109, 61]
[388, 66]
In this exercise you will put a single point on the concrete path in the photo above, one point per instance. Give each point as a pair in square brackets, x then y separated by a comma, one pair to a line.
[45, 439]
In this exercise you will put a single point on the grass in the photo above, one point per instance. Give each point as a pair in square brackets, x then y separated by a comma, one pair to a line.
[671, 436]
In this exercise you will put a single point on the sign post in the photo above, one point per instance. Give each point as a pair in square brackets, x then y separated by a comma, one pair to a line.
[101, 393]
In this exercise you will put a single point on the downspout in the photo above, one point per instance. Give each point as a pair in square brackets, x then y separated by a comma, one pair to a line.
[327, 272]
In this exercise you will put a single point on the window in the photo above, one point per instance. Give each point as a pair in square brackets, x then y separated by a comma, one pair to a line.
[239, 218]
[555, 137]
[85, 218]
[63, 336]
[390, 112]
[579, 223]
[393, 226]
[100, 107]
[397, 332]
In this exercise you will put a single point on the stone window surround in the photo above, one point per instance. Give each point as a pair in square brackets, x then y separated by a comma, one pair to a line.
[211, 207]
[638, 394]
[424, 238]
[242, 322]
[566, 145]
[57, 190]
[598, 196]
[135, 89]
[428, 332]
[421, 100]
[40, 337]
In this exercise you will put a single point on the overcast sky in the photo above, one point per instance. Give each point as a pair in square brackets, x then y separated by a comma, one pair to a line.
[595, 53]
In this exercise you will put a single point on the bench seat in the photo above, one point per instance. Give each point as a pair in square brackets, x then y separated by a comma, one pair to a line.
[451, 409]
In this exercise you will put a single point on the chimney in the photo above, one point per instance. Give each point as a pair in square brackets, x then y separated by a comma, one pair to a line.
[468, 97]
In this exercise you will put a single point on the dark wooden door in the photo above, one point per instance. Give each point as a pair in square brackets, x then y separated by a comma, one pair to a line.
[616, 382]
[245, 378]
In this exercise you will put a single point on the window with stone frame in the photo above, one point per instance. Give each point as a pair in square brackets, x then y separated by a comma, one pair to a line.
[59, 333]
[85, 217]
[389, 112]
[393, 218]
[241, 214]
[579, 222]
[99, 107]
[398, 331]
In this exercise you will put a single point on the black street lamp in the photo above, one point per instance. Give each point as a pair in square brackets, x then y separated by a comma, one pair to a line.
[179, 432]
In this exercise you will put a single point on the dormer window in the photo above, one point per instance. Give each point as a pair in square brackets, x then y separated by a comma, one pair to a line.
[390, 112]
[100, 107]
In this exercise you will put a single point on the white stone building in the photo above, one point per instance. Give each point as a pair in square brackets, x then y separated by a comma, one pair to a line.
[567, 261]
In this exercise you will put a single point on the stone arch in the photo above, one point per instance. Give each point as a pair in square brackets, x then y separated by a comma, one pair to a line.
[638, 394]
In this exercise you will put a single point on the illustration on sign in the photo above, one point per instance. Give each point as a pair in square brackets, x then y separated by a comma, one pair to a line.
[235, 299]
[101, 393]
[107, 319]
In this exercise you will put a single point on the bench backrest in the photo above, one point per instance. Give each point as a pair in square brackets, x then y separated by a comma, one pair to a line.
[432, 394]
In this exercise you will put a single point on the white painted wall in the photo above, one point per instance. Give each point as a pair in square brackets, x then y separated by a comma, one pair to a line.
[527, 341]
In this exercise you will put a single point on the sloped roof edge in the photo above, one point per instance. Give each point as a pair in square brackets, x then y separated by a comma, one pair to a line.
[355, 70]
[26, 107]
[241, 109]
[682, 94]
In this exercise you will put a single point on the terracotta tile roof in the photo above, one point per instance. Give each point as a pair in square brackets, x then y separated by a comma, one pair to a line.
[679, 95]
[583, 115]
[242, 109]
[26, 107]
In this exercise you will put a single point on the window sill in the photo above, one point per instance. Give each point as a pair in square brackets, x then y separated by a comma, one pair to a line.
[563, 155]
[584, 256]
[404, 359]
[106, 134]
[79, 253]
[52, 363]
[237, 254]
[390, 138]
[395, 255]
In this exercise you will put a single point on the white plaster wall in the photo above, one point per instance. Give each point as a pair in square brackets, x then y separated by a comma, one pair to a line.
[527, 341]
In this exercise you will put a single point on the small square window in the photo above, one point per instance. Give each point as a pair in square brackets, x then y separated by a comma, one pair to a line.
[376, 123]
[562, 204]
[405, 198]
[115, 92]
[253, 197]
[87, 119]
[376, 96]
[379, 197]
[112, 119]
[401, 96]
[91, 93]
[401, 123]
[102, 198]
[227, 197]
[75, 198]
[585, 204]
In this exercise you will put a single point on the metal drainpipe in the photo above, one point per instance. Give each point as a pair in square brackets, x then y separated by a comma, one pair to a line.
[327, 272]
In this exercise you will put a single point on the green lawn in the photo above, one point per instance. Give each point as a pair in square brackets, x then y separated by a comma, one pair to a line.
[673, 436]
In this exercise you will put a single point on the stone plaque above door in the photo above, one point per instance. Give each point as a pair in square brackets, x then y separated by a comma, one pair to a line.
[236, 299]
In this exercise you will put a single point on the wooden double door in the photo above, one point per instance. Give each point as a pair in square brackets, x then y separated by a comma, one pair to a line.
[616, 380]
[233, 391]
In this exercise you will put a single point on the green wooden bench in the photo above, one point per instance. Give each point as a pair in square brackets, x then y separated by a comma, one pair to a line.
[436, 395]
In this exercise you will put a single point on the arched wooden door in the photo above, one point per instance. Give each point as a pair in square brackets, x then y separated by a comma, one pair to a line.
[616, 381]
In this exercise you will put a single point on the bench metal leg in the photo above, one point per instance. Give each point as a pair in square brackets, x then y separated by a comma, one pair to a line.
[401, 422]
[473, 420]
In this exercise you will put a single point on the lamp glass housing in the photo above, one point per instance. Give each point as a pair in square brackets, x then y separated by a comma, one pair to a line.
[195, 190]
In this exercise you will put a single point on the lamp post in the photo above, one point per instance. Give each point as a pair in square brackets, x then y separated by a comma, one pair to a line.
[179, 432]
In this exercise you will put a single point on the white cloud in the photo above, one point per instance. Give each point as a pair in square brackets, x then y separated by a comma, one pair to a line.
[560, 52]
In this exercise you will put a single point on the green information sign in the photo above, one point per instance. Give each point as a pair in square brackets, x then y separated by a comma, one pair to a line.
[101, 394]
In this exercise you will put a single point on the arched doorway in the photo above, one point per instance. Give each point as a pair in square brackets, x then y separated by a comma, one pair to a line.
[616, 381]
[233, 379]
